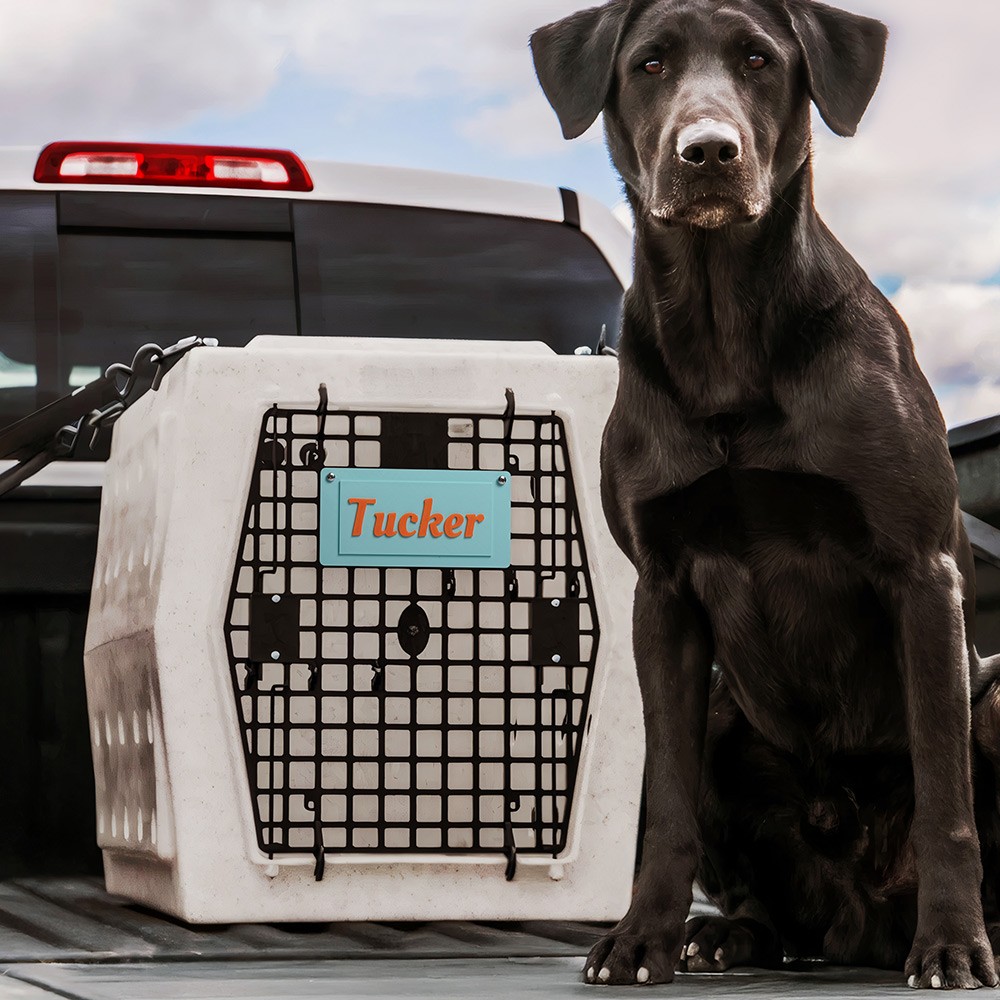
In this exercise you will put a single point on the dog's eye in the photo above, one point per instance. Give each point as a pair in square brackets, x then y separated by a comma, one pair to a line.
[653, 67]
[757, 61]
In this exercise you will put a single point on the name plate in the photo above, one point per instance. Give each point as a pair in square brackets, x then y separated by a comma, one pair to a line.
[451, 518]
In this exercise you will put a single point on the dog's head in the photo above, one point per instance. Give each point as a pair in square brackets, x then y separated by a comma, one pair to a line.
[707, 101]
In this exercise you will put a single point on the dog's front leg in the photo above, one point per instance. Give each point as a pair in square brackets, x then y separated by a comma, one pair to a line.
[950, 948]
[673, 654]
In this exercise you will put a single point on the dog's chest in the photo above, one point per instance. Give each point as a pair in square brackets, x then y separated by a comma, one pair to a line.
[773, 554]
[719, 373]
[799, 630]
[743, 513]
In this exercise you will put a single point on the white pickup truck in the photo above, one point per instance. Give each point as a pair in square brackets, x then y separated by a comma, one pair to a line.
[105, 247]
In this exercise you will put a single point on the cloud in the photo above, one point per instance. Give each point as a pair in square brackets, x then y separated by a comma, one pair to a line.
[971, 403]
[954, 328]
[403, 47]
[950, 321]
[523, 128]
[116, 68]
[112, 67]
[915, 193]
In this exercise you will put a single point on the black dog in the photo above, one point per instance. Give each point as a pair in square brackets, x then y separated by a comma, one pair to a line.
[776, 468]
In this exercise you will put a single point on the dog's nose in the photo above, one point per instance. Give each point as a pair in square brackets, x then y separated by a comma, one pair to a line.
[709, 143]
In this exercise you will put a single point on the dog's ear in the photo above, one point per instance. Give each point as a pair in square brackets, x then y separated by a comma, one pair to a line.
[574, 60]
[843, 56]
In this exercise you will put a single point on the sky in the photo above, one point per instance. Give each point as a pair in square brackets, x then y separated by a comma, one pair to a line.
[449, 85]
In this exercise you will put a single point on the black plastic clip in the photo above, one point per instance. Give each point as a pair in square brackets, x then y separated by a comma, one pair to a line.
[318, 851]
[449, 583]
[272, 449]
[378, 675]
[52, 432]
[508, 431]
[272, 454]
[312, 454]
[252, 682]
[97, 420]
[564, 697]
[510, 579]
[166, 359]
[602, 343]
[509, 847]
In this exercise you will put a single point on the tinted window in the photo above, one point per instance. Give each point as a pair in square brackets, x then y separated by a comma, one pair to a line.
[27, 262]
[88, 277]
[387, 271]
[121, 290]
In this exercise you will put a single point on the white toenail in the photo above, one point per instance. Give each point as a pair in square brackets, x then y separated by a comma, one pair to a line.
[936, 982]
[590, 973]
[604, 975]
[693, 950]
[718, 955]
[683, 952]
[912, 982]
[642, 976]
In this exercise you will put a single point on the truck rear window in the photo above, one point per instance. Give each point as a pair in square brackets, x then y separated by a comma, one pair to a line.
[118, 291]
[86, 278]
[390, 271]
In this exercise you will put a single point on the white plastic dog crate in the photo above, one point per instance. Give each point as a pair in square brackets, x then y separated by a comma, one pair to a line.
[288, 728]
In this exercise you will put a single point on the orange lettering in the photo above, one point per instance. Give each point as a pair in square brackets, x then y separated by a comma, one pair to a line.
[471, 520]
[385, 525]
[453, 525]
[412, 519]
[430, 522]
[359, 517]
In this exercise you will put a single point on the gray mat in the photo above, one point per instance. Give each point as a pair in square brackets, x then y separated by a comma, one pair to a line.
[68, 938]
[75, 920]
[489, 979]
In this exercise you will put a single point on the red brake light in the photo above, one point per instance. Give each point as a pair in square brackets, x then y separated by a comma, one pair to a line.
[179, 166]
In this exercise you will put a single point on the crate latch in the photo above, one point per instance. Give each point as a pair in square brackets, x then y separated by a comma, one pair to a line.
[274, 628]
[555, 630]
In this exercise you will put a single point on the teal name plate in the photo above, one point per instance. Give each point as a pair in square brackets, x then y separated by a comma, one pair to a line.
[450, 518]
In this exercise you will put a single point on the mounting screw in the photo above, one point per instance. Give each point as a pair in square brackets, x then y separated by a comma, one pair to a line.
[557, 658]
[275, 655]
[330, 477]
[555, 603]
[275, 599]
[501, 480]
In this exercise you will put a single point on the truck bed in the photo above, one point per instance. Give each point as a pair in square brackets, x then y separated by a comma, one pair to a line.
[66, 937]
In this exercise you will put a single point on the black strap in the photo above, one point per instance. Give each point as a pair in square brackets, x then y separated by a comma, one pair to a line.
[32, 435]
[53, 431]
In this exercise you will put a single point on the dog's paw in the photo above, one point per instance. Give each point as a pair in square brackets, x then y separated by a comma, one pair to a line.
[635, 954]
[951, 966]
[714, 944]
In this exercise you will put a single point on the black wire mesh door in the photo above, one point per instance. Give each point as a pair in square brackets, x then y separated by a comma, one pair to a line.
[406, 710]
